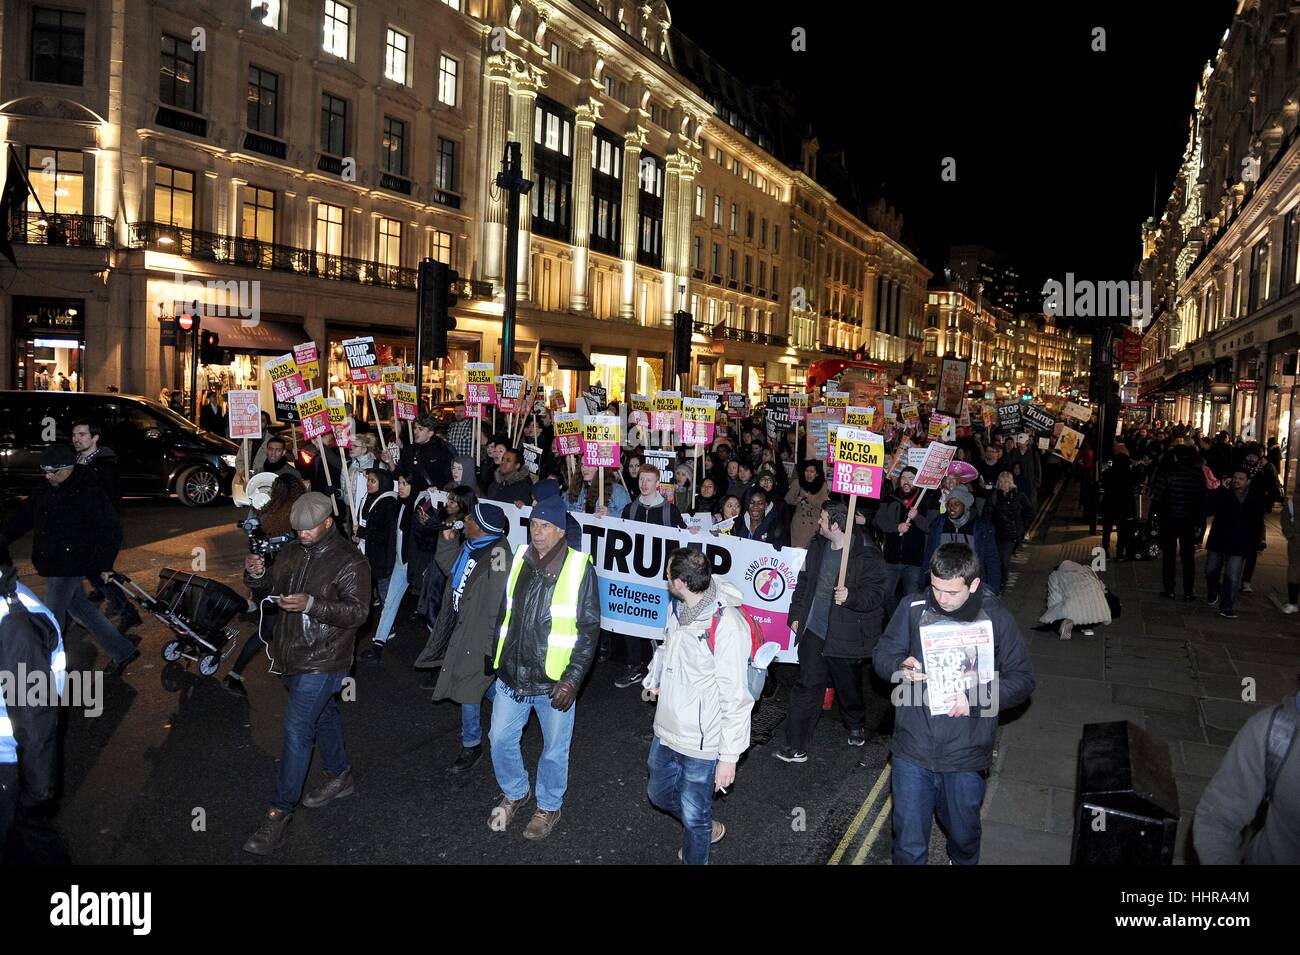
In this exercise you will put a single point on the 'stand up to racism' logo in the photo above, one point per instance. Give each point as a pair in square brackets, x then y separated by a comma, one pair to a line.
[769, 577]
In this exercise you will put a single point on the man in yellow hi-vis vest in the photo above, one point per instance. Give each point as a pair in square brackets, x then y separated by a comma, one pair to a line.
[550, 625]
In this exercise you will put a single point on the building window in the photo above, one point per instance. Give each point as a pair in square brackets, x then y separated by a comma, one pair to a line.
[776, 282]
[178, 74]
[258, 218]
[333, 125]
[609, 86]
[776, 238]
[394, 146]
[58, 46]
[762, 276]
[1290, 245]
[173, 197]
[697, 253]
[1258, 275]
[699, 201]
[56, 177]
[715, 260]
[448, 78]
[749, 225]
[555, 53]
[552, 170]
[267, 13]
[749, 270]
[329, 232]
[717, 210]
[762, 232]
[445, 174]
[440, 248]
[338, 29]
[388, 249]
[396, 47]
[263, 101]
[731, 265]
[606, 192]
[454, 4]
[735, 217]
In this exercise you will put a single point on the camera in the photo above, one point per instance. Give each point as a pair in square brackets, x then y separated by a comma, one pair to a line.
[258, 541]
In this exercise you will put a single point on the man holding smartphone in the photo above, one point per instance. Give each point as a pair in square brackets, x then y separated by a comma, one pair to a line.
[322, 586]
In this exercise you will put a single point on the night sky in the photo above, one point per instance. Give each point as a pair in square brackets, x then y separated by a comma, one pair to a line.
[1058, 149]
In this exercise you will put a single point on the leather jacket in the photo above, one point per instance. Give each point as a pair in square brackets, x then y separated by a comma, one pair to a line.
[523, 658]
[337, 577]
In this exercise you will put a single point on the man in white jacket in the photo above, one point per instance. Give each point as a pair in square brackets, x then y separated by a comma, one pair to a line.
[702, 720]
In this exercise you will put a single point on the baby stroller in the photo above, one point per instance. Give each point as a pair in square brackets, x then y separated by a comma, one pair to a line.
[198, 611]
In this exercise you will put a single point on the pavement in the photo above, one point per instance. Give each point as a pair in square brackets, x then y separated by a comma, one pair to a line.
[1174, 668]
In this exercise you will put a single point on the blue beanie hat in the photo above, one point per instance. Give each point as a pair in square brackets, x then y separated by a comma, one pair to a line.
[490, 517]
[550, 509]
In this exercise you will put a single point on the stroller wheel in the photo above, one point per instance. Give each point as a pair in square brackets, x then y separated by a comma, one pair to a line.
[171, 651]
[208, 664]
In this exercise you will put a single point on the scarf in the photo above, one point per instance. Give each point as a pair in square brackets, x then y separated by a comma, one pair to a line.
[814, 486]
[959, 522]
[965, 613]
[651, 501]
[466, 560]
[686, 616]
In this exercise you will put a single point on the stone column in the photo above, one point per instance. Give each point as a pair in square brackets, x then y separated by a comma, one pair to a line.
[207, 217]
[232, 213]
[688, 167]
[580, 207]
[633, 140]
[672, 223]
[148, 180]
[494, 200]
[523, 102]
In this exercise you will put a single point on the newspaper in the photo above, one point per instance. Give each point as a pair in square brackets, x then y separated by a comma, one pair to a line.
[955, 657]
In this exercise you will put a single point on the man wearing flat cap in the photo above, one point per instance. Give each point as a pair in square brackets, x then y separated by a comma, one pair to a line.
[321, 583]
[960, 524]
[549, 628]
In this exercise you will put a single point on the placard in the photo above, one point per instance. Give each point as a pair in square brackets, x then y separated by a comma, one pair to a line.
[697, 420]
[1038, 418]
[1076, 411]
[859, 417]
[510, 392]
[244, 414]
[568, 433]
[837, 399]
[1067, 445]
[666, 462]
[1009, 417]
[286, 410]
[911, 415]
[942, 426]
[667, 411]
[474, 412]
[361, 357]
[312, 411]
[307, 359]
[955, 657]
[916, 458]
[799, 406]
[859, 466]
[479, 389]
[407, 401]
[600, 441]
[952, 386]
[532, 458]
[596, 398]
[934, 468]
[337, 415]
[286, 379]
[819, 422]
[389, 376]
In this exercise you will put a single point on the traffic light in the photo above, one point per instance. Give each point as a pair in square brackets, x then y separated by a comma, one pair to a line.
[437, 299]
[210, 349]
[683, 328]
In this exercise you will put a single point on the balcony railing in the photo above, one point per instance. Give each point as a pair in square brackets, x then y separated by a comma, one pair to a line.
[250, 253]
[32, 228]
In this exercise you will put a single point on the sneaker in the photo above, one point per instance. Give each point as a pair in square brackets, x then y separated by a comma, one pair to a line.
[719, 830]
[372, 654]
[1290, 608]
[234, 683]
[858, 736]
[499, 820]
[336, 788]
[270, 835]
[1213, 601]
[540, 826]
[1228, 614]
[117, 669]
[788, 754]
[1246, 588]
[469, 755]
[632, 674]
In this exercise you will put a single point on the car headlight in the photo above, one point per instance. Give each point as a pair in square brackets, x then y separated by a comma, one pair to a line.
[230, 459]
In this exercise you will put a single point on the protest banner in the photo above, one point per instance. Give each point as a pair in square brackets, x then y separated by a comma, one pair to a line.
[859, 417]
[837, 399]
[313, 414]
[596, 399]
[532, 458]
[911, 415]
[916, 458]
[942, 426]
[697, 421]
[1076, 411]
[899, 459]
[286, 379]
[858, 471]
[511, 393]
[337, 415]
[406, 399]
[799, 406]
[1009, 417]
[568, 433]
[737, 404]
[963, 419]
[244, 421]
[642, 403]
[1038, 418]
[1067, 445]
[479, 389]
[666, 462]
[308, 360]
[361, 357]
[600, 443]
[956, 656]
[934, 468]
[667, 413]
[819, 422]
[952, 386]
[389, 376]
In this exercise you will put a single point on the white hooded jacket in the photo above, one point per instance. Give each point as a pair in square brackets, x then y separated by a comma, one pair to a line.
[704, 702]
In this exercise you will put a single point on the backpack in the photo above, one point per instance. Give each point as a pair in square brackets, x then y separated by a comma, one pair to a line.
[1278, 742]
[755, 676]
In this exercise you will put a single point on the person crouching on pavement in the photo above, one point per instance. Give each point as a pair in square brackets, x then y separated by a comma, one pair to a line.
[315, 639]
[462, 638]
[940, 763]
[702, 720]
[545, 645]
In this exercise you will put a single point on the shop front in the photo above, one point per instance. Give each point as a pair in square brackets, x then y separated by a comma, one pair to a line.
[443, 380]
[1246, 409]
[1280, 396]
[235, 363]
[49, 343]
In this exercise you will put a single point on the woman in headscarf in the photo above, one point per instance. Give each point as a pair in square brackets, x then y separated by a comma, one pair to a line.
[806, 498]
[397, 549]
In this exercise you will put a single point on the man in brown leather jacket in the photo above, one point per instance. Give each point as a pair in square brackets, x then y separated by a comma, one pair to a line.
[321, 584]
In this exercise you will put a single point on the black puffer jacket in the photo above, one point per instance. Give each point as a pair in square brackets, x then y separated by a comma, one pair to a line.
[1178, 492]
[854, 624]
[521, 661]
[1011, 514]
[337, 577]
[77, 532]
[105, 465]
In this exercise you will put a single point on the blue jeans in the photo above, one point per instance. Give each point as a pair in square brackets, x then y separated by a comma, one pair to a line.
[392, 590]
[1230, 567]
[918, 794]
[509, 717]
[312, 714]
[66, 595]
[911, 578]
[471, 719]
[682, 786]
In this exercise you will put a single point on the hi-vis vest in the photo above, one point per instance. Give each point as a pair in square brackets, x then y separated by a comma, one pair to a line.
[564, 611]
[58, 669]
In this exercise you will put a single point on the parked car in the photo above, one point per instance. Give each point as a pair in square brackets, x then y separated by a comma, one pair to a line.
[159, 452]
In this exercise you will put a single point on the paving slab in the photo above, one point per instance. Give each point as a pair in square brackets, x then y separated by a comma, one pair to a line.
[1200, 759]
[1175, 726]
[1152, 699]
[1004, 844]
[1227, 714]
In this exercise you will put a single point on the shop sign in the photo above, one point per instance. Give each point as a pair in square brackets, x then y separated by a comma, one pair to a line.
[61, 316]
[1243, 384]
